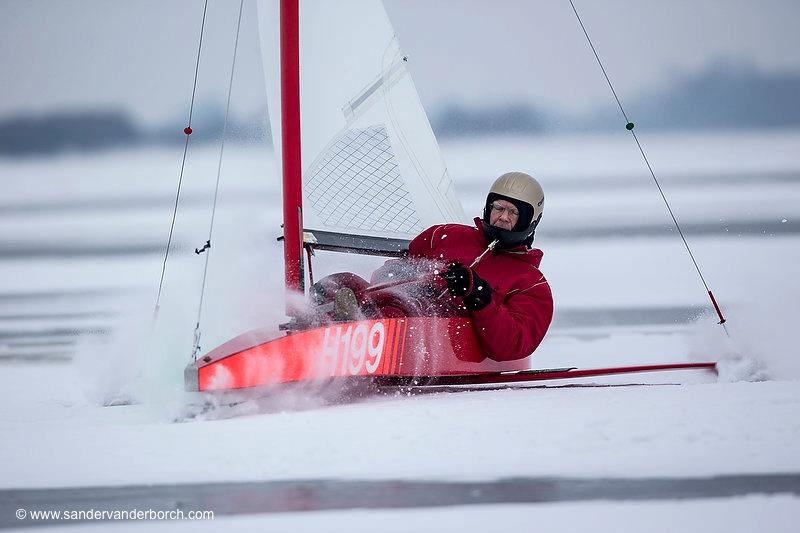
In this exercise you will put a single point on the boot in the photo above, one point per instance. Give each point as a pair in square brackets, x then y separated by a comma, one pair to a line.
[345, 305]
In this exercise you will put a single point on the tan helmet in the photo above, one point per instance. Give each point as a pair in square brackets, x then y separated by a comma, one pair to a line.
[527, 195]
[523, 187]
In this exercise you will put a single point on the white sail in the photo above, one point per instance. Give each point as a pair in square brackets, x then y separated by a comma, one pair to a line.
[371, 164]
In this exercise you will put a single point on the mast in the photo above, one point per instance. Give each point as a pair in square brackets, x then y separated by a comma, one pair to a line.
[290, 148]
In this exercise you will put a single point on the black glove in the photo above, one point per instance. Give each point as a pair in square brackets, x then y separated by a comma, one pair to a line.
[463, 281]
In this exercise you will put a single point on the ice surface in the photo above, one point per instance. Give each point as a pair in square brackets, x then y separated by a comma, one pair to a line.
[55, 433]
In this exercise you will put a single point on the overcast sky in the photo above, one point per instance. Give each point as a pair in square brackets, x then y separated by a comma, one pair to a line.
[140, 54]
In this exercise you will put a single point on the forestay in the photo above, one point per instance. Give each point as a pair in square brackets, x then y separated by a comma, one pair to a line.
[371, 164]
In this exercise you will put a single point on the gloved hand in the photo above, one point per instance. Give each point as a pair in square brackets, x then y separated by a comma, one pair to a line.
[463, 281]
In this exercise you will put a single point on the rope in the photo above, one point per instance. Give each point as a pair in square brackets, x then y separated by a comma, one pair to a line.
[187, 131]
[196, 347]
[629, 126]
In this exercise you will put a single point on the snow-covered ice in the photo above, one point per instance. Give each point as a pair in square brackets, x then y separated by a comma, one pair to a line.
[55, 433]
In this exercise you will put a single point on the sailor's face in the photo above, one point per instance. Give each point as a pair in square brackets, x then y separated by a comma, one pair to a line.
[503, 215]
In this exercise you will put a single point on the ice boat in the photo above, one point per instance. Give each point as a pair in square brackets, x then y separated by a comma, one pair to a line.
[369, 177]
[362, 173]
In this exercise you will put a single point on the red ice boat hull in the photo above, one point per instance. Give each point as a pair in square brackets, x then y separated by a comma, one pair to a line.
[415, 346]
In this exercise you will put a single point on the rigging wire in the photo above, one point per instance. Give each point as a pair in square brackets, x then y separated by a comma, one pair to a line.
[629, 126]
[187, 131]
[207, 247]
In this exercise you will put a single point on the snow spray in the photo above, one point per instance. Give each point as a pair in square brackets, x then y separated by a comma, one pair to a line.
[763, 343]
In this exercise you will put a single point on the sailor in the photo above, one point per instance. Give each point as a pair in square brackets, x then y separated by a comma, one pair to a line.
[493, 269]
[489, 272]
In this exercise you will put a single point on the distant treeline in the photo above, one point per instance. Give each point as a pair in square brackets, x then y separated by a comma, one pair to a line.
[102, 129]
[721, 97]
[724, 97]
[66, 131]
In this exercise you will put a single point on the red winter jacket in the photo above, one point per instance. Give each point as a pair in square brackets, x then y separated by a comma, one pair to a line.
[517, 318]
